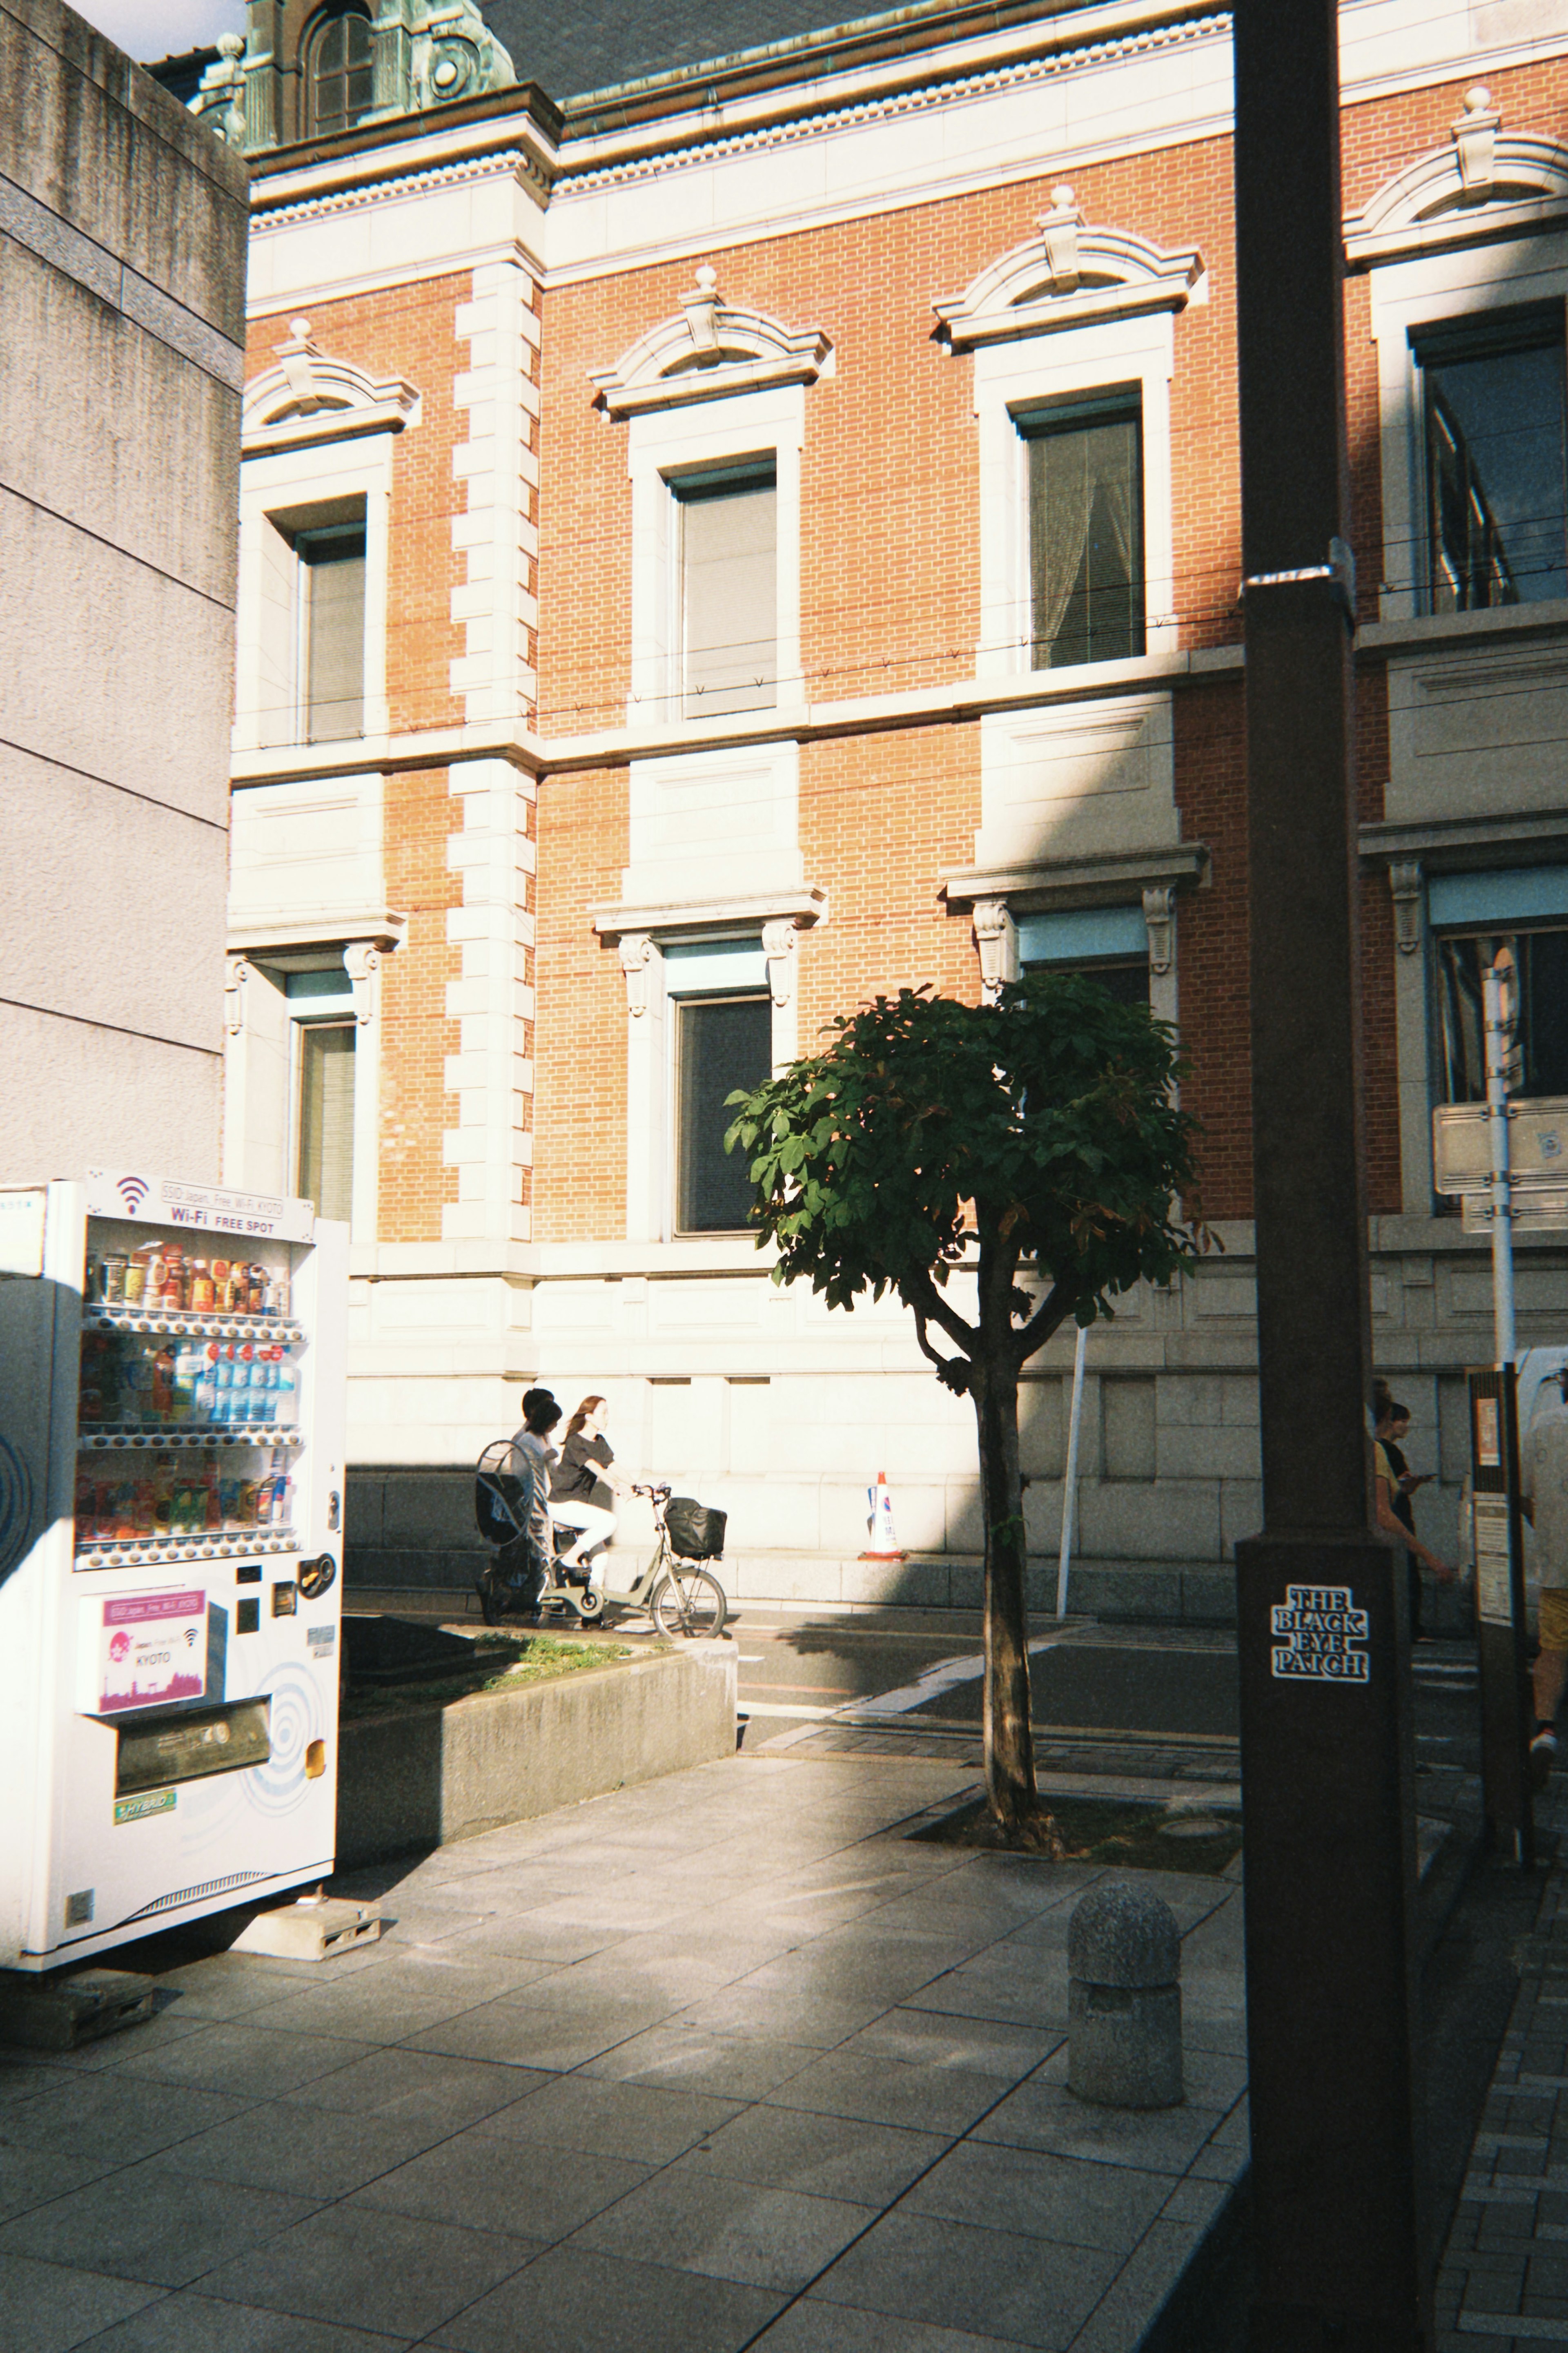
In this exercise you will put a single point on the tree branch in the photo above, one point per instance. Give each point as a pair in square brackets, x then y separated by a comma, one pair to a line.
[952, 1372]
[927, 1300]
[1052, 1312]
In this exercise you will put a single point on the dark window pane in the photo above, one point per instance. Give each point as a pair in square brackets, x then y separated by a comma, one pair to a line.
[332, 575]
[1539, 1056]
[1086, 538]
[342, 72]
[1127, 982]
[724, 1044]
[326, 1161]
[1495, 463]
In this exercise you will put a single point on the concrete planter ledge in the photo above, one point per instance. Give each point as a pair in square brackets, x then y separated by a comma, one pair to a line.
[422, 1776]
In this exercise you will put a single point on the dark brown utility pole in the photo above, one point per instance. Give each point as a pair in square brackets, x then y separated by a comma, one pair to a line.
[1327, 1750]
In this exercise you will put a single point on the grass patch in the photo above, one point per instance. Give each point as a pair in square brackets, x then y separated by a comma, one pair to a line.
[1184, 1836]
[502, 1663]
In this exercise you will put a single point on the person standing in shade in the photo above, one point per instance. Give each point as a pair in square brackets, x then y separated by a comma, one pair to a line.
[585, 1484]
[1545, 1483]
[534, 1458]
[1396, 1514]
[1393, 1429]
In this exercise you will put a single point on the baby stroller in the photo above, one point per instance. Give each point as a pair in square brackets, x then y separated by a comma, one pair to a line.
[519, 1582]
[516, 1577]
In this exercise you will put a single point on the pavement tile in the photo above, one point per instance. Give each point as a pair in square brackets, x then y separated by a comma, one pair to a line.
[252, 2061]
[690, 2059]
[809, 2327]
[517, 2035]
[1011, 1998]
[309, 2151]
[364, 2269]
[31, 2176]
[798, 2015]
[1142, 2287]
[573, 2301]
[531, 2191]
[828, 2157]
[886, 2092]
[1072, 2199]
[113, 2118]
[147, 2222]
[924, 2038]
[47, 2309]
[727, 2230]
[414, 2086]
[630, 2120]
[1029, 2291]
[189, 2323]
[1047, 2116]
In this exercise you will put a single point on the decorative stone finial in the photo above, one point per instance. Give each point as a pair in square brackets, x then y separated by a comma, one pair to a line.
[1060, 229]
[1474, 138]
[231, 44]
[701, 308]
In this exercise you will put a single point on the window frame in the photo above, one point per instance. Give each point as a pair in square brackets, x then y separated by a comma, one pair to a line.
[699, 486]
[1509, 324]
[1016, 380]
[317, 34]
[325, 480]
[303, 1024]
[1056, 419]
[665, 447]
[1423, 294]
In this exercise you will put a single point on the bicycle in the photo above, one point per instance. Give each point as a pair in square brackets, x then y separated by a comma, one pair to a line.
[679, 1595]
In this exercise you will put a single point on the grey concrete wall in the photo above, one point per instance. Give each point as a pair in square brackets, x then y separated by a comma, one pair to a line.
[121, 333]
[432, 1774]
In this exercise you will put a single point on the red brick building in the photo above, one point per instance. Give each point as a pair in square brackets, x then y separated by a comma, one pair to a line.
[724, 535]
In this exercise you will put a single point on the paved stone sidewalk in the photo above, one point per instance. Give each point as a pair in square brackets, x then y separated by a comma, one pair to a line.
[721, 2061]
[1503, 2287]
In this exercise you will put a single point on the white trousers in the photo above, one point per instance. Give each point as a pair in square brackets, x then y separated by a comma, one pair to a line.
[596, 1528]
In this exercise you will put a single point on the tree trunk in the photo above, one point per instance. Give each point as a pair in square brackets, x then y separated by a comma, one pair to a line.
[1009, 1742]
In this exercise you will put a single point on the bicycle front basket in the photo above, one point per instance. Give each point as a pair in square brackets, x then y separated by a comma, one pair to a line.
[696, 1533]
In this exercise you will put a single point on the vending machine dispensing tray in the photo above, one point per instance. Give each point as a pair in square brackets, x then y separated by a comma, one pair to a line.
[154, 1753]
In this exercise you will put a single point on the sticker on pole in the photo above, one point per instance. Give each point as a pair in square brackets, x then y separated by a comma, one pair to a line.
[153, 1650]
[1320, 1636]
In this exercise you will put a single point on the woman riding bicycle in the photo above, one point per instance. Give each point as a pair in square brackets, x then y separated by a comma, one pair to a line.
[584, 1483]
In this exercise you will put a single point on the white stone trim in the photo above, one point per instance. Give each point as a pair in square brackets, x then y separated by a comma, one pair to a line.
[309, 396]
[491, 1073]
[1011, 376]
[1069, 276]
[663, 443]
[707, 350]
[498, 533]
[1477, 189]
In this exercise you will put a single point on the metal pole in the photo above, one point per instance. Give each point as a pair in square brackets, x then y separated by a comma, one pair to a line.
[1069, 1482]
[1328, 1765]
[1498, 1026]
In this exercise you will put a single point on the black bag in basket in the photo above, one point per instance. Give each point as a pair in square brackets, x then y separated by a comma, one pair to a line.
[696, 1533]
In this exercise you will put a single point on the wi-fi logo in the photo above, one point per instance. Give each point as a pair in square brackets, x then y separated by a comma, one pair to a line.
[132, 1191]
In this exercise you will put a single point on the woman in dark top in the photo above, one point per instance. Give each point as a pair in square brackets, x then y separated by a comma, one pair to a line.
[584, 1487]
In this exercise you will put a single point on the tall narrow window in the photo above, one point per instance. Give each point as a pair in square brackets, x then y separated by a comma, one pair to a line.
[1495, 459]
[326, 1123]
[331, 589]
[729, 591]
[722, 1044]
[1086, 530]
[340, 71]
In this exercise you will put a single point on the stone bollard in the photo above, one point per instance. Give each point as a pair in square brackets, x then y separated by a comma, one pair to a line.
[1124, 2000]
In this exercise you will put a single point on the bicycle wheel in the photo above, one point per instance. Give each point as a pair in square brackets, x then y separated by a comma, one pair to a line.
[688, 1601]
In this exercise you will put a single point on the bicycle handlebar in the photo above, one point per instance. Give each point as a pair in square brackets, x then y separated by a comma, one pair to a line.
[659, 1495]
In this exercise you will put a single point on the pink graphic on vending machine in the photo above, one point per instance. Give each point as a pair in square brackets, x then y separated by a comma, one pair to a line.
[152, 1650]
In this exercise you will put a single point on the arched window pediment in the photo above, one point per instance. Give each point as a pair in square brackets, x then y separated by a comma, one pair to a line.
[307, 396]
[1068, 274]
[708, 349]
[1481, 185]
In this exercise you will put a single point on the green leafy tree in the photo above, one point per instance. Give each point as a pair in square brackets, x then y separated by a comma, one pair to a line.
[1036, 1136]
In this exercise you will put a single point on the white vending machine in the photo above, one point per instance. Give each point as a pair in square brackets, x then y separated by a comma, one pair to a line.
[172, 1362]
